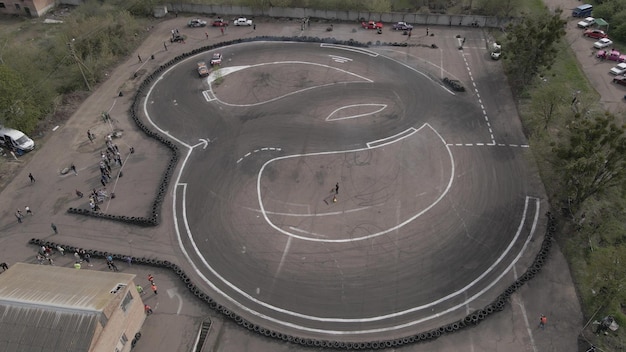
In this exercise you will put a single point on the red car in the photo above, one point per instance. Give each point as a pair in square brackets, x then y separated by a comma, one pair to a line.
[219, 23]
[372, 25]
[621, 80]
[595, 33]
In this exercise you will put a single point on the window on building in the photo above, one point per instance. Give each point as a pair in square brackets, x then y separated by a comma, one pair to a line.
[127, 301]
[123, 339]
[17, 6]
[2, 5]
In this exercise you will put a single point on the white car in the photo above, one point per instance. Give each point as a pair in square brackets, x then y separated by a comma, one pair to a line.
[242, 21]
[603, 43]
[496, 51]
[587, 22]
[620, 69]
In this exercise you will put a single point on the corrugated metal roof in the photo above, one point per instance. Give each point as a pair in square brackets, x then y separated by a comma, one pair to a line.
[34, 329]
[48, 309]
[58, 287]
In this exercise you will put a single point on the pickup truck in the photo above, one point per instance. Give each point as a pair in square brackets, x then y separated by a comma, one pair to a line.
[242, 21]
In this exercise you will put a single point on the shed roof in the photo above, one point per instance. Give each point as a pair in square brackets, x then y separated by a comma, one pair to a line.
[58, 287]
[46, 308]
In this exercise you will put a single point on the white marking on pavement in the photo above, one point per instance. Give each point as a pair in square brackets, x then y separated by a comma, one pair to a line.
[173, 293]
[528, 329]
[378, 143]
[350, 48]
[282, 258]
[340, 59]
[382, 107]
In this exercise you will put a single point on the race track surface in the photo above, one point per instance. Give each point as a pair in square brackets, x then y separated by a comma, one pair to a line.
[433, 205]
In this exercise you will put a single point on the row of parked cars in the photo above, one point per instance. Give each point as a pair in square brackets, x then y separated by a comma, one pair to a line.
[604, 53]
[219, 22]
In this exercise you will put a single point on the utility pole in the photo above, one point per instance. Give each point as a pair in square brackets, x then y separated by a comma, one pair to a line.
[80, 64]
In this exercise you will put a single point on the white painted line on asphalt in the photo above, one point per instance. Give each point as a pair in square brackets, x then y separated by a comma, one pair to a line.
[340, 59]
[362, 320]
[350, 48]
[173, 293]
[257, 151]
[282, 258]
[392, 139]
[528, 329]
[379, 143]
[328, 118]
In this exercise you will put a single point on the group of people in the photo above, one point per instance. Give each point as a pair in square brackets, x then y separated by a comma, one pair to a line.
[20, 216]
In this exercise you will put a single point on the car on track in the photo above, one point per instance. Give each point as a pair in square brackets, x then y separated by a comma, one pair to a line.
[587, 22]
[454, 84]
[595, 33]
[203, 70]
[402, 26]
[196, 22]
[216, 59]
[220, 23]
[621, 80]
[177, 38]
[372, 25]
[603, 43]
[619, 70]
[242, 21]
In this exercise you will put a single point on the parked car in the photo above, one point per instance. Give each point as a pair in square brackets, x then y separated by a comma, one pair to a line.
[219, 23]
[613, 55]
[603, 43]
[402, 26]
[242, 21]
[196, 22]
[454, 84]
[621, 80]
[15, 140]
[203, 70]
[216, 59]
[620, 69]
[587, 22]
[372, 25]
[595, 33]
[496, 51]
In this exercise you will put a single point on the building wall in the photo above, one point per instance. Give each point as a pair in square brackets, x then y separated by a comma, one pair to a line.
[121, 322]
[32, 8]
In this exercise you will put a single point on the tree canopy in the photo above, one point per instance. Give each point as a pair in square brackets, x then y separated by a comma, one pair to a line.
[530, 46]
[592, 159]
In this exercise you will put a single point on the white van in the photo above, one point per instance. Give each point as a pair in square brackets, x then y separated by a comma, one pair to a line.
[15, 140]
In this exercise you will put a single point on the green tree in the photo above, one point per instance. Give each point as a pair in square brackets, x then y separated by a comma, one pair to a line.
[592, 159]
[531, 46]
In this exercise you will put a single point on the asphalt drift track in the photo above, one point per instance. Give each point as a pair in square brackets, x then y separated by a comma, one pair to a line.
[420, 231]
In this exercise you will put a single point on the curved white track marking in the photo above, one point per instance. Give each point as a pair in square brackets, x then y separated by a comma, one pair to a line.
[396, 137]
[293, 325]
[340, 320]
[364, 80]
[382, 107]
[334, 213]
[350, 48]
[401, 135]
